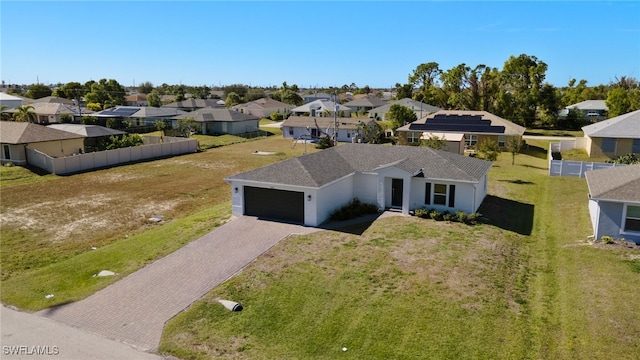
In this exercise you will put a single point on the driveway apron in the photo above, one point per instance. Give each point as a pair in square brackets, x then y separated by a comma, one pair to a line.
[135, 309]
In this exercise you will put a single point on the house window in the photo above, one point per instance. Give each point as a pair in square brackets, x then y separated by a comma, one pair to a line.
[470, 140]
[442, 194]
[635, 148]
[608, 145]
[502, 141]
[291, 131]
[413, 137]
[7, 152]
[632, 218]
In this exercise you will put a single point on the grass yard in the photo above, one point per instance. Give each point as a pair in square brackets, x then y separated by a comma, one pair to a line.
[526, 285]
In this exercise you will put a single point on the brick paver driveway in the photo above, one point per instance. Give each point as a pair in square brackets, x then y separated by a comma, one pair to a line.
[135, 309]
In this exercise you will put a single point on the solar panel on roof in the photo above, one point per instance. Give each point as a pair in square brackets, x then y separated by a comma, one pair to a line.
[457, 123]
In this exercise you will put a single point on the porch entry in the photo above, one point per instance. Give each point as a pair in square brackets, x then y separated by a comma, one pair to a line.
[396, 192]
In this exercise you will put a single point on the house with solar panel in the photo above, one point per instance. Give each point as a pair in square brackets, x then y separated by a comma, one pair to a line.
[472, 127]
[309, 188]
[138, 115]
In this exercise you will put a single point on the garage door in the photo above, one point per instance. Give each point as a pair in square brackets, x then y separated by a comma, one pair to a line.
[274, 204]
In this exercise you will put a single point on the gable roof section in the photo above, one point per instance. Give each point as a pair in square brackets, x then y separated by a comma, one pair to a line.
[53, 100]
[320, 105]
[150, 111]
[86, 130]
[410, 103]
[367, 101]
[194, 103]
[325, 122]
[623, 126]
[621, 183]
[465, 121]
[217, 114]
[321, 168]
[590, 105]
[50, 109]
[12, 132]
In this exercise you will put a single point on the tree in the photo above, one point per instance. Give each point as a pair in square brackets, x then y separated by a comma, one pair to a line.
[145, 87]
[238, 89]
[550, 104]
[187, 126]
[201, 92]
[434, 142]
[107, 93]
[179, 92]
[371, 134]
[404, 91]
[232, 99]
[456, 85]
[522, 79]
[324, 142]
[489, 149]
[514, 143]
[292, 98]
[154, 99]
[160, 125]
[37, 91]
[621, 101]
[66, 118]
[400, 115]
[4, 115]
[24, 113]
[253, 94]
[424, 77]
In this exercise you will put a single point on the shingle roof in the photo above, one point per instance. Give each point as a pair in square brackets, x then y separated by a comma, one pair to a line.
[620, 183]
[623, 126]
[320, 105]
[217, 114]
[149, 111]
[321, 168]
[590, 105]
[410, 103]
[53, 108]
[53, 100]
[86, 130]
[368, 101]
[325, 122]
[12, 132]
[465, 121]
[194, 103]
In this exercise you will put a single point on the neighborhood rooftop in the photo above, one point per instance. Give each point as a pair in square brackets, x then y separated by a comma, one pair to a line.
[623, 126]
[12, 132]
[617, 183]
[465, 121]
[321, 168]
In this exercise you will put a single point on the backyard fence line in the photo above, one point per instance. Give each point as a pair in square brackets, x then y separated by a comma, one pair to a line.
[101, 159]
[571, 167]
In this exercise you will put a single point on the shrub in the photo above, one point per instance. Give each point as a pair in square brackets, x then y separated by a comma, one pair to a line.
[606, 239]
[421, 213]
[9, 164]
[447, 216]
[462, 216]
[435, 214]
[353, 209]
[628, 159]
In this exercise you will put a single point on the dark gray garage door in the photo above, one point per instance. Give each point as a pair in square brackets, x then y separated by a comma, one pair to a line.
[274, 204]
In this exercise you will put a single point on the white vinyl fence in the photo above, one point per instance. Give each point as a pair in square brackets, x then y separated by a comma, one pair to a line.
[570, 167]
[153, 149]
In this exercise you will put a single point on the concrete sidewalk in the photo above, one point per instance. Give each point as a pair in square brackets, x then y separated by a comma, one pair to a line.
[135, 309]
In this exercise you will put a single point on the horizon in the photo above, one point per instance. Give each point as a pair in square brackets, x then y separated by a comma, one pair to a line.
[368, 43]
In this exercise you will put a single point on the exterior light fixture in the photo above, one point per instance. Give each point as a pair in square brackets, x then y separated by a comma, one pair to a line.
[309, 197]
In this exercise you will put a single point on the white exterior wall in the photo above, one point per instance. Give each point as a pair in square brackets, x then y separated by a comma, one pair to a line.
[384, 187]
[594, 213]
[466, 195]
[365, 188]
[330, 198]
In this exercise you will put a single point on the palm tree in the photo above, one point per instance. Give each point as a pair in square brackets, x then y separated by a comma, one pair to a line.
[4, 115]
[25, 113]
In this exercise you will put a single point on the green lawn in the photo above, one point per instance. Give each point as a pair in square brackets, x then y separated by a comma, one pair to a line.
[525, 285]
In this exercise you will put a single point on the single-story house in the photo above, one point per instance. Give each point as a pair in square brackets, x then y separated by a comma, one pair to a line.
[264, 107]
[309, 188]
[475, 125]
[614, 202]
[9, 100]
[614, 137]
[592, 110]
[54, 100]
[195, 104]
[321, 108]
[215, 121]
[364, 104]
[136, 100]
[50, 112]
[15, 137]
[93, 134]
[306, 127]
[419, 108]
[139, 115]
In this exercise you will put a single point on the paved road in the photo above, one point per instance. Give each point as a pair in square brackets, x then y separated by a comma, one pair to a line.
[135, 309]
[28, 336]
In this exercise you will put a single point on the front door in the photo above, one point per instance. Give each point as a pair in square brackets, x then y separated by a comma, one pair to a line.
[396, 192]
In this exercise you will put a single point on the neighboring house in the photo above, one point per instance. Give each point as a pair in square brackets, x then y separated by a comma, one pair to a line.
[317, 96]
[475, 125]
[364, 104]
[614, 137]
[15, 137]
[263, 108]
[421, 109]
[139, 115]
[195, 104]
[308, 189]
[306, 127]
[614, 202]
[136, 100]
[9, 100]
[321, 108]
[592, 110]
[454, 142]
[50, 112]
[54, 100]
[92, 134]
[216, 121]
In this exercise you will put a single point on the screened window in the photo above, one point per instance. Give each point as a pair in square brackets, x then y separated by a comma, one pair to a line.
[291, 131]
[608, 145]
[502, 141]
[632, 219]
[439, 194]
[635, 148]
[471, 140]
[413, 137]
[7, 152]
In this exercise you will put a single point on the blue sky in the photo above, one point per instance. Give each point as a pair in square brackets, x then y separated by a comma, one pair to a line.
[325, 43]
